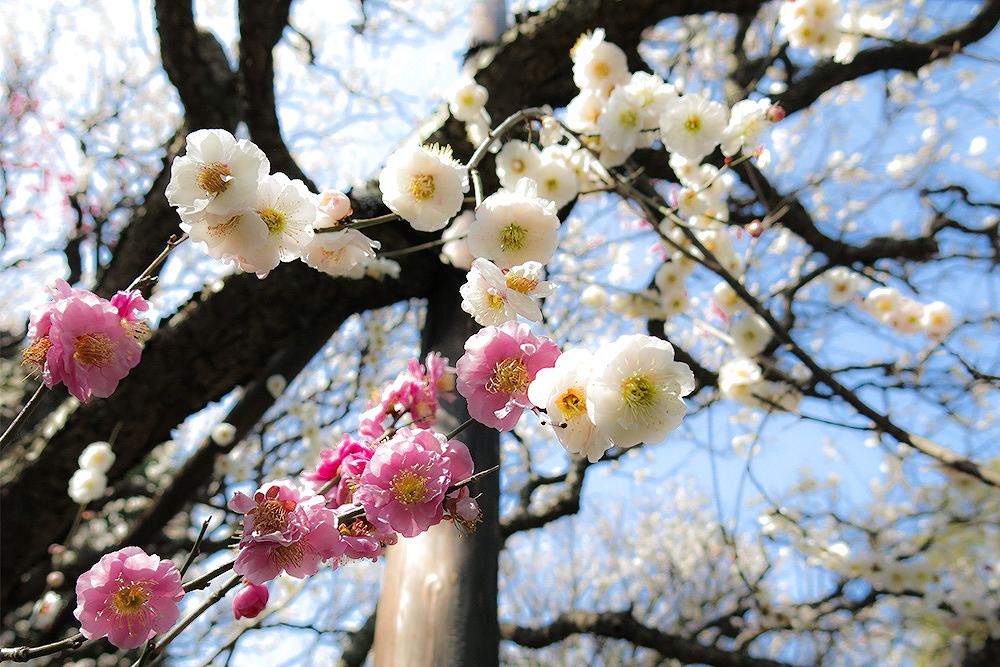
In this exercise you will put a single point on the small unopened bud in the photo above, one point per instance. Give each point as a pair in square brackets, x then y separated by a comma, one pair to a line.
[333, 206]
[755, 229]
[55, 579]
[776, 114]
[250, 601]
[467, 510]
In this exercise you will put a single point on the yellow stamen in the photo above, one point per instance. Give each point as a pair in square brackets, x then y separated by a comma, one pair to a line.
[274, 219]
[409, 486]
[214, 178]
[512, 237]
[422, 187]
[572, 404]
[94, 349]
[35, 353]
[638, 391]
[509, 377]
[520, 283]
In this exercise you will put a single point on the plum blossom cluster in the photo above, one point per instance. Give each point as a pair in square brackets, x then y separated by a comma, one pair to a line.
[619, 111]
[362, 494]
[84, 341]
[907, 316]
[825, 29]
[240, 213]
[627, 392]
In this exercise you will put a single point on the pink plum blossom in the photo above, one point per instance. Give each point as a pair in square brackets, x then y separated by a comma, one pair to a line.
[86, 342]
[407, 478]
[286, 528]
[345, 463]
[364, 539]
[498, 365]
[128, 596]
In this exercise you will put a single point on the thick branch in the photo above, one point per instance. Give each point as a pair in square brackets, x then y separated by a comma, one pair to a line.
[622, 625]
[906, 56]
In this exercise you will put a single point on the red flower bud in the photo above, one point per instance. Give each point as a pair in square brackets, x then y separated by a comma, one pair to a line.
[250, 601]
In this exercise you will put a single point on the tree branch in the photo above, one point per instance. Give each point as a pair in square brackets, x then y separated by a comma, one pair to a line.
[623, 625]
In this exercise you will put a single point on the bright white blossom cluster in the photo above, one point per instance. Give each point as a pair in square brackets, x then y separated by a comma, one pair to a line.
[90, 481]
[907, 316]
[825, 29]
[229, 203]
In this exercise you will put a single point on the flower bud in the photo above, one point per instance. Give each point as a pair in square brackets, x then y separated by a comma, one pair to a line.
[776, 114]
[250, 601]
[333, 207]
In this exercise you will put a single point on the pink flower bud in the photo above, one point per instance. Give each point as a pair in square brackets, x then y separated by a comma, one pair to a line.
[467, 509]
[334, 206]
[250, 601]
[776, 114]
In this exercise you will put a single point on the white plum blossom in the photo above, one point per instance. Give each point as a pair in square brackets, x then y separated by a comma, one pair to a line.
[287, 210]
[223, 434]
[741, 380]
[907, 316]
[97, 456]
[455, 250]
[841, 284]
[750, 335]
[516, 160]
[583, 111]
[467, 99]
[748, 120]
[728, 301]
[652, 96]
[424, 185]
[217, 174]
[562, 392]
[620, 124]
[87, 485]
[514, 227]
[635, 389]
[937, 320]
[598, 65]
[737, 376]
[494, 296]
[812, 25]
[230, 237]
[692, 126]
[670, 277]
[556, 180]
[341, 253]
[881, 302]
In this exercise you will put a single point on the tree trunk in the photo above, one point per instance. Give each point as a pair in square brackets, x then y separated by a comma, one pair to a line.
[439, 597]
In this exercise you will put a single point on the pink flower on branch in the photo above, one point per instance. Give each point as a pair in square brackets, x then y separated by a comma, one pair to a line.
[498, 365]
[286, 529]
[85, 342]
[405, 483]
[128, 596]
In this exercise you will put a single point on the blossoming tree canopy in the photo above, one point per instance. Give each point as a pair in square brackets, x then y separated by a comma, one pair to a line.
[657, 314]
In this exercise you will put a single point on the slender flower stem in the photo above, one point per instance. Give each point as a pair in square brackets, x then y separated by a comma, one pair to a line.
[206, 579]
[147, 275]
[359, 224]
[15, 426]
[194, 547]
[461, 427]
[154, 651]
